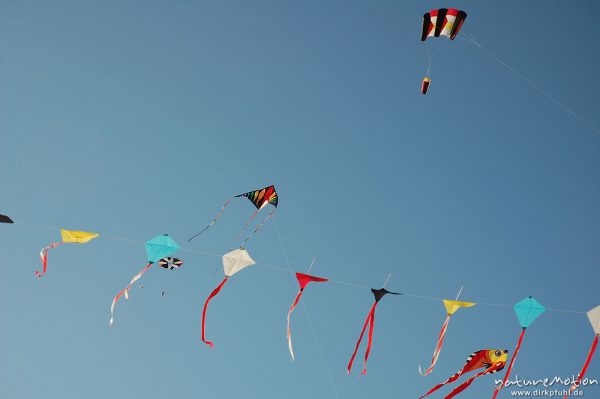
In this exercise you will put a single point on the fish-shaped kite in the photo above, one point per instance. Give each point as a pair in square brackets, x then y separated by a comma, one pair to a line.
[491, 360]
[370, 321]
[233, 262]
[259, 198]
[67, 237]
[527, 311]
[594, 317]
[303, 280]
[451, 307]
[156, 249]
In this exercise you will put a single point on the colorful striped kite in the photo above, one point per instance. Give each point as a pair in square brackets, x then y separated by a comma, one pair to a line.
[259, 198]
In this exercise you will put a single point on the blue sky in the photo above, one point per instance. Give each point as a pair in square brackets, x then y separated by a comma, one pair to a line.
[134, 119]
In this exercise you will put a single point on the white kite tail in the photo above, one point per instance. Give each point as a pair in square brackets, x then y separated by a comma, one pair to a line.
[289, 334]
[124, 292]
[44, 258]
[260, 226]
[438, 348]
[213, 221]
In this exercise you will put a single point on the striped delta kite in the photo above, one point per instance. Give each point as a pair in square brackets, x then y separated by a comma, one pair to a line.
[260, 199]
[441, 22]
[158, 249]
[491, 360]
[67, 237]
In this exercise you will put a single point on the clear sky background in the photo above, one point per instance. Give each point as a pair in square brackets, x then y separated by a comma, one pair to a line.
[139, 118]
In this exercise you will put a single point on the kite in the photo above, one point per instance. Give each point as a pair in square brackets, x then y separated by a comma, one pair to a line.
[5, 219]
[441, 22]
[259, 198]
[594, 317]
[170, 263]
[156, 249]
[303, 281]
[233, 262]
[371, 323]
[492, 360]
[527, 311]
[68, 237]
[451, 308]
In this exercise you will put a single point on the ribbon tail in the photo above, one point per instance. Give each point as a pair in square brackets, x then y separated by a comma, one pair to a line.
[349, 368]
[585, 366]
[438, 348]
[251, 236]
[510, 366]
[213, 221]
[124, 292]
[289, 335]
[369, 342]
[448, 381]
[212, 294]
[468, 382]
[44, 258]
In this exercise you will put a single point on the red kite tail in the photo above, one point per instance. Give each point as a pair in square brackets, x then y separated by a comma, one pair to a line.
[451, 379]
[124, 292]
[212, 294]
[467, 383]
[361, 336]
[510, 366]
[438, 348]
[213, 221]
[44, 257]
[585, 366]
[289, 335]
[369, 342]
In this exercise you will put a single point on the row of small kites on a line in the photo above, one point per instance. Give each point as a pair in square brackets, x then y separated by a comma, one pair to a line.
[161, 248]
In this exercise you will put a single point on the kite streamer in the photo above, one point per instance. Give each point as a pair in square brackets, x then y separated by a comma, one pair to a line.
[370, 321]
[157, 249]
[303, 280]
[67, 237]
[527, 311]
[451, 308]
[233, 262]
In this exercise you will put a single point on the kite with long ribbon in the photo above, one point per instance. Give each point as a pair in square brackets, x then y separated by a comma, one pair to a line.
[594, 317]
[492, 360]
[303, 281]
[233, 262]
[451, 307]
[259, 198]
[156, 249]
[370, 321]
[527, 311]
[67, 237]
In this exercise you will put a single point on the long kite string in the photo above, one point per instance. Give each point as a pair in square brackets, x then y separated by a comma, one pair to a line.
[287, 270]
[471, 39]
[312, 329]
[213, 221]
